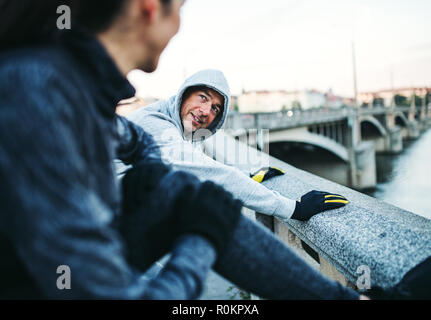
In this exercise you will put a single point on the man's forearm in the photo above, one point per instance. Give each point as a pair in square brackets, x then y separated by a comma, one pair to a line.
[184, 275]
[254, 195]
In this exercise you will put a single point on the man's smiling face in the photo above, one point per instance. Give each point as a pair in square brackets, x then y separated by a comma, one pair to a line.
[200, 108]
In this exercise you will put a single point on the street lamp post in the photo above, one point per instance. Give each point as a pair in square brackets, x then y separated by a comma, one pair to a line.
[355, 86]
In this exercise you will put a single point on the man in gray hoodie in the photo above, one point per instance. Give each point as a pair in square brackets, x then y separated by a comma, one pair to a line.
[254, 259]
[180, 124]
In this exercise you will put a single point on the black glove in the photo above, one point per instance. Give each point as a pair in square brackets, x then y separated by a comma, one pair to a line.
[152, 207]
[266, 173]
[162, 204]
[314, 202]
[211, 212]
[139, 180]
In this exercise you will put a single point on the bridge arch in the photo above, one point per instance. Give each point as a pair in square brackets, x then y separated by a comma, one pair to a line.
[302, 135]
[401, 119]
[373, 121]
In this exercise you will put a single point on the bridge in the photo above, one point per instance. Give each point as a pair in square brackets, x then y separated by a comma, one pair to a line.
[368, 242]
[353, 135]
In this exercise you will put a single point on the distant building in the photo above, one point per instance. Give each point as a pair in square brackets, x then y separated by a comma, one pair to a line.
[367, 98]
[333, 101]
[349, 102]
[264, 101]
[276, 100]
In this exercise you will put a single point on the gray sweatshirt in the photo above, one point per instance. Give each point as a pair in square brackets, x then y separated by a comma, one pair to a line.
[162, 120]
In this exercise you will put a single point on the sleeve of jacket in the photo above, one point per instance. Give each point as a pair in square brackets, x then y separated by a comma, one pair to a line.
[49, 210]
[134, 144]
[183, 155]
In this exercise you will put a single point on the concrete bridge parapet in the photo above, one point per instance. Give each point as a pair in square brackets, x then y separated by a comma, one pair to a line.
[366, 240]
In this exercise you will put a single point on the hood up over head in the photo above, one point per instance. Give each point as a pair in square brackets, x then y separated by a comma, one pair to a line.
[213, 79]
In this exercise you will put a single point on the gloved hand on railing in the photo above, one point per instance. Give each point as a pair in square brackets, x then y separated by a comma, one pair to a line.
[266, 174]
[315, 202]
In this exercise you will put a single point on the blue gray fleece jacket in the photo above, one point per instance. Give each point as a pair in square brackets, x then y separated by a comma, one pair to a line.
[162, 120]
[58, 190]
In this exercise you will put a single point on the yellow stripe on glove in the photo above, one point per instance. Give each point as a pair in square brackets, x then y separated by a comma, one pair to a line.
[264, 174]
[340, 199]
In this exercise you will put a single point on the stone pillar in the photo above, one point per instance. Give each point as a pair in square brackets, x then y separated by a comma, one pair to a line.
[424, 124]
[394, 140]
[424, 106]
[390, 120]
[365, 171]
[352, 138]
[362, 159]
[412, 111]
[413, 129]
[394, 137]
[340, 133]
[429, 114]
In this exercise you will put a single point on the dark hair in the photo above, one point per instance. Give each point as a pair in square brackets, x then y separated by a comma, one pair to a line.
[190, 90]
[96, 15]
[28, 21]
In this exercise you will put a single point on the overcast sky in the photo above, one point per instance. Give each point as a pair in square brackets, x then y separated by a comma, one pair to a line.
[298, 44]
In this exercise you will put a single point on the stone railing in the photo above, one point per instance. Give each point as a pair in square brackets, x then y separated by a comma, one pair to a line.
[366, 242]
[284, 119]
[296, 118]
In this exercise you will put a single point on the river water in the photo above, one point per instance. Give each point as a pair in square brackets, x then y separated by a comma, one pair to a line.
[404, 180]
